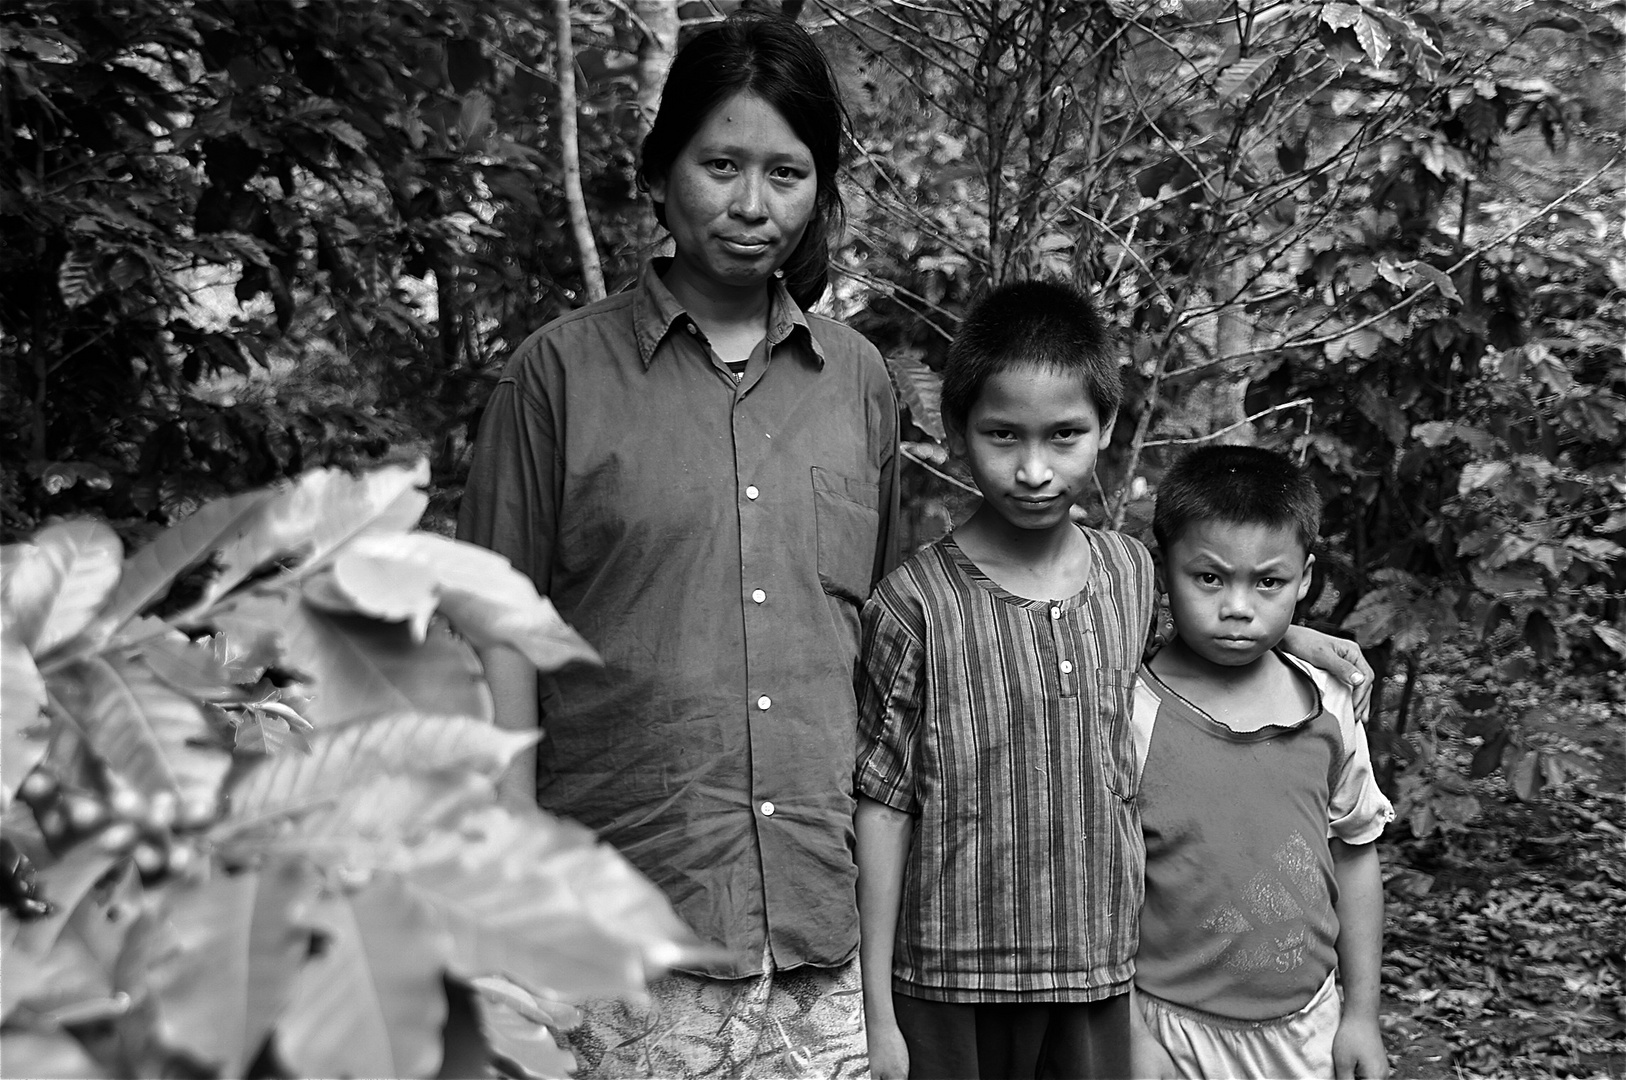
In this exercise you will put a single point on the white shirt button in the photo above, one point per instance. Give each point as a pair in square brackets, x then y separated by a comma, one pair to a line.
[691, 328]
[767, 809]
[764, 702]
[751, 492]
[1066, 667]
[758, 595]
[1055, 612]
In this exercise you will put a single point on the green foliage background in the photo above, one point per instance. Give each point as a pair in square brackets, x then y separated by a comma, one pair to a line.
[242, 239]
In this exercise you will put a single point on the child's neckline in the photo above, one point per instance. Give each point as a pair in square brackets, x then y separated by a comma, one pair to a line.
[1204, 718]
[982, 579]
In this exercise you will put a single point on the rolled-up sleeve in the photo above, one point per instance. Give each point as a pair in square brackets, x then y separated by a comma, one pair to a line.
[891, 707]
[1358, 810]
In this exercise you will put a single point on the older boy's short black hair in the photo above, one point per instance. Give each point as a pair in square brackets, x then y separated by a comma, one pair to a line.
[1245, 485]
[1039, 323]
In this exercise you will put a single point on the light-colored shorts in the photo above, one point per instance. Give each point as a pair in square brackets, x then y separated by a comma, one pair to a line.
[1205, 1045]
[805, 1022]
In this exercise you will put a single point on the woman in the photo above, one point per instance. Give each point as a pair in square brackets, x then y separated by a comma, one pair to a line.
[701, 476]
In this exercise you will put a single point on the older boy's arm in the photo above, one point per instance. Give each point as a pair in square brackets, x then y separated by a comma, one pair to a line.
[1340, 657]
[1357, 1049]
[883, 837]
[512, 679]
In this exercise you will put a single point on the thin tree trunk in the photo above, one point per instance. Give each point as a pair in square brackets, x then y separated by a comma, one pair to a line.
[658, 23]
[592, 272]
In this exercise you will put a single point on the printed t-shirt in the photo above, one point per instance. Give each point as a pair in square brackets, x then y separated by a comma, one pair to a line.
[713, 539]
[1239, 915]
[1002, 723]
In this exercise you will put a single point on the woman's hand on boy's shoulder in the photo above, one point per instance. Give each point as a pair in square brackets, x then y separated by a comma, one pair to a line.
[1339, 657]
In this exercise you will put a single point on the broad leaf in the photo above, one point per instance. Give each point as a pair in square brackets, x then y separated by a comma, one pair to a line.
[47, 1053]
[1441, 281]
[1524, 775]
[1378, 616]
[1479, 474]
[542, 901]
[188, 667]
[70, 957]
[142, 727]
[491, 603]
[372, 1004]
[65, 883]
[1240, 80]
[1611, 637]
[379, 586]
[229, 952]
[54, 585]
[22, 697]
[271, 731]
[370, 826]
[526, 1044]
[528, 1004]
[403, 577]
[311, 520]
[348, 758]
[1374, 39]
[359, 668]
[150, 572]
[921, 391]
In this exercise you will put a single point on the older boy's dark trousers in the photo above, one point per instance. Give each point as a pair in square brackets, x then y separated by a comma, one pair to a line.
[1049, 1039]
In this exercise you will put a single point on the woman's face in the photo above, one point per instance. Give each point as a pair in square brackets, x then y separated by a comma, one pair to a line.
[738, 197]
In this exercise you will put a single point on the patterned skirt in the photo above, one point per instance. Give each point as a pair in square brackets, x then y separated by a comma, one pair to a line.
[805, 1022]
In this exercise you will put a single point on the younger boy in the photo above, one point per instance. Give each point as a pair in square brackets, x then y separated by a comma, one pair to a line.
[999, 858]
[1250, 762]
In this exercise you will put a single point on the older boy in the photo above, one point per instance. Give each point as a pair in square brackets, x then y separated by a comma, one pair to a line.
[1251, 761]
[999, 855]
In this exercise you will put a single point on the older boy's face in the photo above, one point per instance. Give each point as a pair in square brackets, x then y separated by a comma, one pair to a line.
[1031, 440]
[1232, 588]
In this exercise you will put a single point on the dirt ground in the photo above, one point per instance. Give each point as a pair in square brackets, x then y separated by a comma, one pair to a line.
[1505, 947]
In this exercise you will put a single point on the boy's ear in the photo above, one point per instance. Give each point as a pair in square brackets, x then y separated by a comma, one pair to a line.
[1304, 579]
[1106, 430]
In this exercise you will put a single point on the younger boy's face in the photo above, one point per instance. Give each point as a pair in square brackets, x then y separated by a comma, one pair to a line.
[1232, 588]
[1031, 441]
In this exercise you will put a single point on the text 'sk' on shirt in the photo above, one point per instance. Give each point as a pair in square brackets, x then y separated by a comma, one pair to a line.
[1002, 724]
[713, 538]
[1239, 916]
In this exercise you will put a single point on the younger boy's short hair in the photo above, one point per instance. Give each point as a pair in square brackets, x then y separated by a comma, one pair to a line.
[1244, 485]
[1031, 323]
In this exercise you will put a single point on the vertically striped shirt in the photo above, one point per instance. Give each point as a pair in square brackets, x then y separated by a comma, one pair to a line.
[1003, 725]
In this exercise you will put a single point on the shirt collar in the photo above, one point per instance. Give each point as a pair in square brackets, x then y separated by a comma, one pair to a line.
[657, 313]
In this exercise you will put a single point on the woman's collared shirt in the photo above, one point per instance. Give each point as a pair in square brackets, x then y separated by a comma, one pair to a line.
[713, 538]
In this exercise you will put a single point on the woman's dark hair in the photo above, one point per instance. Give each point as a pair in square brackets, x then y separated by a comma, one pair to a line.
[773, 58]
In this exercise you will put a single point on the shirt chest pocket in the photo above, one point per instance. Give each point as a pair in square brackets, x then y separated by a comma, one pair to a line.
[1113, 740]
[847, 520]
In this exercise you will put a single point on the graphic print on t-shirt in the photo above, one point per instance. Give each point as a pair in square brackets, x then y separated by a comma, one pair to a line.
[1272, 909]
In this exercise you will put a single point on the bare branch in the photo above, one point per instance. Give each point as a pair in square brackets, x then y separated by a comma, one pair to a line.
[1305, 403]
[1429, 286]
